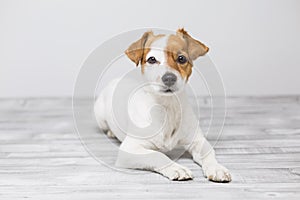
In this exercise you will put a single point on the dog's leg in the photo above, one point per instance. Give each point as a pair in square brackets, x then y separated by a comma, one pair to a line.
[137, 154]
[204, 154]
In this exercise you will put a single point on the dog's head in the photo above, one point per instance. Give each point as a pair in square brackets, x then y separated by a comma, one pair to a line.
[166, 60]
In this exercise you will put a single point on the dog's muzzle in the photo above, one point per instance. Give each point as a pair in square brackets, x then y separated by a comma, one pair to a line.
[169, 79]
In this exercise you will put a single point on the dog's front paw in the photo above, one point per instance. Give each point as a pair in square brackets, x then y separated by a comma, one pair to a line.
[216, 172]
[176, 172]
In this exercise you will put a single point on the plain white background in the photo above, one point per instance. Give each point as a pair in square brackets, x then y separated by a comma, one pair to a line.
[255, 44]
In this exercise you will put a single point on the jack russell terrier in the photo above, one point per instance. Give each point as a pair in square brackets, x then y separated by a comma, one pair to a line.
[166, 63]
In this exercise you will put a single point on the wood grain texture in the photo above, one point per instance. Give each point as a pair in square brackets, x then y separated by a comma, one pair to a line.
[41, 156]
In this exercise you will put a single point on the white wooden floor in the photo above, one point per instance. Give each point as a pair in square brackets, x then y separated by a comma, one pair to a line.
[41, 156]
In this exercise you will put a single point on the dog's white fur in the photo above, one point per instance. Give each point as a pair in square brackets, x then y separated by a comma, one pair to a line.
[181, 126]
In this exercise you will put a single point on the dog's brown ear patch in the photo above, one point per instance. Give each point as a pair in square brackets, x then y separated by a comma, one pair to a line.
[195, 47]
[135, 50]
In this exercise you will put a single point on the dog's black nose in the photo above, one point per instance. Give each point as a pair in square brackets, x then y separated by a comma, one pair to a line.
[169, 79]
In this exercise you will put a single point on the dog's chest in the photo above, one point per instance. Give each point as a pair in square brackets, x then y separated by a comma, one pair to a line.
[163, 113]
[169, 136]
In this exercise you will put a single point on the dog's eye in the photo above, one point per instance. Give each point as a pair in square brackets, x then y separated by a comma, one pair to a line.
[151, 60]
[181, 59]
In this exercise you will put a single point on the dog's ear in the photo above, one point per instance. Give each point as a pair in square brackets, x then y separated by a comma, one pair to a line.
[135, 50]
[195, 47]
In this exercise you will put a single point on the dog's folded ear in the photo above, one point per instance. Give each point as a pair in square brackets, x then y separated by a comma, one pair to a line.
[135, 50]
[195, 47]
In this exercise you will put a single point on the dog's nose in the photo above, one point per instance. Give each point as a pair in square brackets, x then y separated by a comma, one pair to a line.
[169, 79]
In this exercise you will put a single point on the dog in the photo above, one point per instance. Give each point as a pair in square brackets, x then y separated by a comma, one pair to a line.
[166, 63]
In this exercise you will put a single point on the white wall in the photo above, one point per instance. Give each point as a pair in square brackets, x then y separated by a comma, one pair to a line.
[255, 44]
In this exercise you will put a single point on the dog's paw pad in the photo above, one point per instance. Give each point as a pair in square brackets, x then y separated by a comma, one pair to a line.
[110, 134]
[176, 172]
[217, 173]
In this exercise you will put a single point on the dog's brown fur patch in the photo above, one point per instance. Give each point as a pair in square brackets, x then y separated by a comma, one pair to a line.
[138, 50]
[177, 46]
